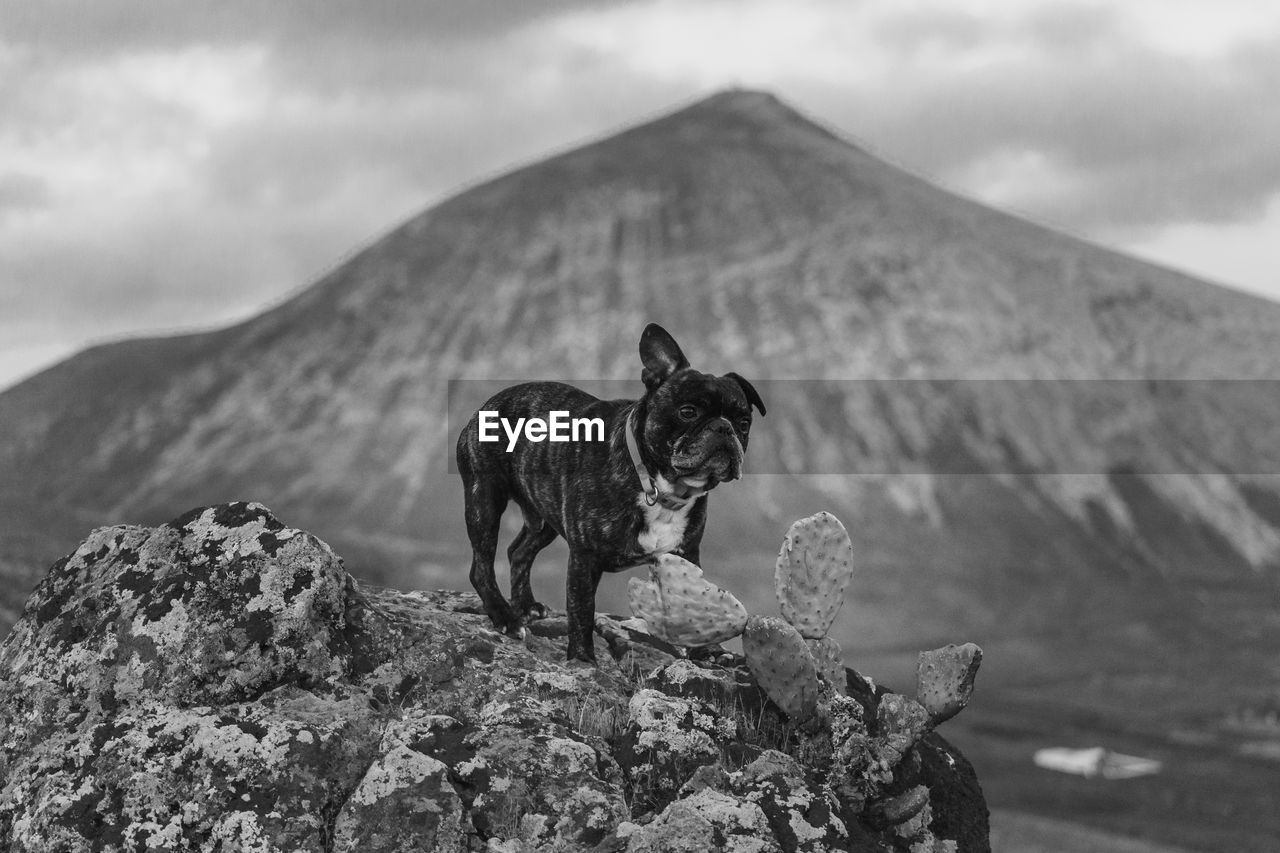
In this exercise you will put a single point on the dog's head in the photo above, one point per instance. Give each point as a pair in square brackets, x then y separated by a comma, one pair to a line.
[696, 426]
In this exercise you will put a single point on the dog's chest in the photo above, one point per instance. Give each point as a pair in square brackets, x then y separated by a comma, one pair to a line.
[663, 529]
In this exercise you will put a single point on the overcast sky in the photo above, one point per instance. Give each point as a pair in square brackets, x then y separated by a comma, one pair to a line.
[173, 164]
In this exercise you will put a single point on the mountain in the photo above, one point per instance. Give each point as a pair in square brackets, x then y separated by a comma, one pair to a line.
[1013, 421]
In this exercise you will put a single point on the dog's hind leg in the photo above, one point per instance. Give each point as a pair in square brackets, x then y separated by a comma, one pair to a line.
[533, 537]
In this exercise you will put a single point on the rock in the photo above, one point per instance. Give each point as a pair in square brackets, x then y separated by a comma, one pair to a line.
[709, 683]
[404, 801]
[955, 797]
[706, 820]
[667, 739]
[533, 778]
[635, 651]
[220, 681]
[803, 816]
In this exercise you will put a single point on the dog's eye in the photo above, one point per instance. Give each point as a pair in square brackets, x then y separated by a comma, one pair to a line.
[744, 424]
[687, 412]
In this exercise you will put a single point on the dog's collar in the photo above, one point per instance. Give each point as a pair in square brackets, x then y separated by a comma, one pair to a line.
[648, 484]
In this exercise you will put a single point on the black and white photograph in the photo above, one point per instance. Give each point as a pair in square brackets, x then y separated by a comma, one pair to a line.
[640, 426]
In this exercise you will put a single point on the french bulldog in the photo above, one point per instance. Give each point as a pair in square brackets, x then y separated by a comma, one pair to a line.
[634, 490]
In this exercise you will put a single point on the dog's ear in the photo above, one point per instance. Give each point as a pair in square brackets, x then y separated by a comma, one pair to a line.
[660, 355]
[753, 396]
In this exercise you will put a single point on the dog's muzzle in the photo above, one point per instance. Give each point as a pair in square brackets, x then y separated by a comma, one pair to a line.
[715, 454]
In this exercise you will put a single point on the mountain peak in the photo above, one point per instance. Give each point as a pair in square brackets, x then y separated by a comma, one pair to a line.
[745, 101]
[735, 107]
[736, 169]
[754, 106]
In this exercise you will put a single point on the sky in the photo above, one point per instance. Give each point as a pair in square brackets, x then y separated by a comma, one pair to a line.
[170, 165]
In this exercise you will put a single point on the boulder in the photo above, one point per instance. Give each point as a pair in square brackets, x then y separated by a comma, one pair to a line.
[221, 682]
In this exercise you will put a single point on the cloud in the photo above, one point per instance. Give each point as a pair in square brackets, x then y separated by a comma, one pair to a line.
[171, 164]
[1244, 253]
[1106, 120]
[190, 186]
[114, 26]
[1135, 138]
[22, 192]
[1069, 115]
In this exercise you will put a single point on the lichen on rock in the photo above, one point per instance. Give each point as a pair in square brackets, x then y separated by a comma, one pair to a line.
[221, 682]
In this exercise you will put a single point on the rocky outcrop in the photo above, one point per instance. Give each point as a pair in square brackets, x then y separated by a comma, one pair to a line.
[221, 683]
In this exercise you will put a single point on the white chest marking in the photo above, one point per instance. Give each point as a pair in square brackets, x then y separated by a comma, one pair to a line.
[663, 528]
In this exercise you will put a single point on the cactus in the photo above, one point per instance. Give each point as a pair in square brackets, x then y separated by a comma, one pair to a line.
[902, 719]
[814, 567]
[780, 661]
[646, 603]
[786, 657]
[897, 809]
[829, 663]
[801, 670]
[682, 607]
[944, 679]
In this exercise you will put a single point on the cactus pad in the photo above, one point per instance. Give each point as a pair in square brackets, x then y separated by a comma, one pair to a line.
[901, 717]
[782, 666]
[814, 567]
[830, 663]
[944, 679]
[682, 607]
[646, 603]
[899, 808]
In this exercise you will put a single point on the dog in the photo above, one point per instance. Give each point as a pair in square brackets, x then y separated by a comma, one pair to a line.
[637, 491]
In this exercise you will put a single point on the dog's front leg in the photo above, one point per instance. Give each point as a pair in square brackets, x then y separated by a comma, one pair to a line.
[580, 603]
[691, 544]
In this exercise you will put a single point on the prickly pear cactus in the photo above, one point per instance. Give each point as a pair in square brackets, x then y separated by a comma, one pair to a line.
[780, 661]
[902, 719]
[646, 603]
[814, 567]
[829, 663]
[682, 607]
[944, 679]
